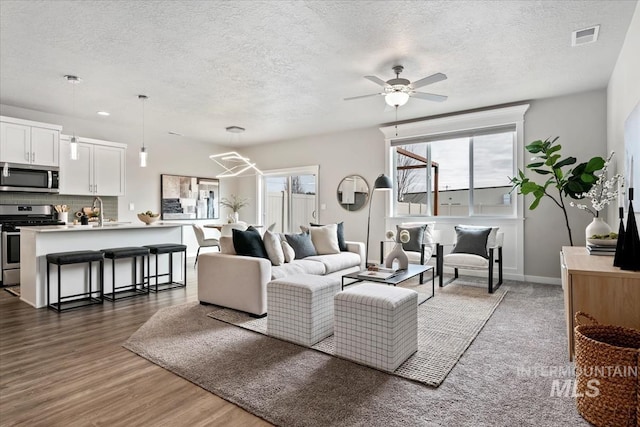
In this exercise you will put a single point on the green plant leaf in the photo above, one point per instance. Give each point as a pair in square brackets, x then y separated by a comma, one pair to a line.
[534, 204]
[535, 165]
[589, 178]
[534, 147]
[565, 162]
[554, 149]
[552, 160]
[595, 164]
[542, 171]
[528, 187]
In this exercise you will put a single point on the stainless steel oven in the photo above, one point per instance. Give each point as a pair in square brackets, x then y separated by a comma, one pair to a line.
[12, 218]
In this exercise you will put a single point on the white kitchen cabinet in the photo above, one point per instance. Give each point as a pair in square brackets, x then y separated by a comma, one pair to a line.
[99, 169]
[28, 142]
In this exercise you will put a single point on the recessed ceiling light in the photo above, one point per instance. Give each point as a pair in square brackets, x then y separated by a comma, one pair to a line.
[174, 133]
[104, 113]
[235, 129]
[585, 36]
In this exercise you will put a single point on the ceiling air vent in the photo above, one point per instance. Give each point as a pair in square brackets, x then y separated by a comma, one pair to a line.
[585, 36]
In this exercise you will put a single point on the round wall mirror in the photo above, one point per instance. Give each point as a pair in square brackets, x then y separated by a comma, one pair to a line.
[353, 192]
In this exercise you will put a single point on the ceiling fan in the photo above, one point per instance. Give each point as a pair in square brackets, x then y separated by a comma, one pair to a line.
[397, 91]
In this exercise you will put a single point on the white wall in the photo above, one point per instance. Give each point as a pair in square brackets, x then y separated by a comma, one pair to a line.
[167, 155]
[623, 94]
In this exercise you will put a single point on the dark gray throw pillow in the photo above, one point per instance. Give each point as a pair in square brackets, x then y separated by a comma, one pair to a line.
[417, 236]
[301, 244]
[341, 242]
[249, 243]
[472, 241]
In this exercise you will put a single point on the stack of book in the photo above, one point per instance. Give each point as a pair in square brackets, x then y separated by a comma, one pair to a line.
[601, 249]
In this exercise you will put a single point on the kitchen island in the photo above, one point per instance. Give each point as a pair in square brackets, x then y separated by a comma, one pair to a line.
[37, 242]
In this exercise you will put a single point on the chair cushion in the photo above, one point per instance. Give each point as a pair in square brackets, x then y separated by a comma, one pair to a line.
[273, 247]
[468, 261]
[325, 239]
[301, 244]
[128, 252]
[471, 240]
[165, 248]
[417, 236]
[249, 243]
[62, 258]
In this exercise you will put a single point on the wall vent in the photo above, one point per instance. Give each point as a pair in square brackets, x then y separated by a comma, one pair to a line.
[585, 36]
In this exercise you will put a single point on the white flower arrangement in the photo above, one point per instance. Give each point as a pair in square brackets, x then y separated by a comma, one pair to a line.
[603, 192]
[405, 236]
[390, 235]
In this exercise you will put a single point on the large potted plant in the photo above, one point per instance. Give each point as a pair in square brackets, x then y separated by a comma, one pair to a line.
[559, 182]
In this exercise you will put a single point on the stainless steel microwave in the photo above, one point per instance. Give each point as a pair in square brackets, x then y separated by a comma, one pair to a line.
[29, 178]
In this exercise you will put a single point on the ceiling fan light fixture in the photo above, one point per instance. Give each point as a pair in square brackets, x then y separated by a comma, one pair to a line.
[396, 98]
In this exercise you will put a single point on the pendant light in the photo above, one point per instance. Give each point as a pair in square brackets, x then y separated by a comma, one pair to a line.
[73, 144]
[143, 150]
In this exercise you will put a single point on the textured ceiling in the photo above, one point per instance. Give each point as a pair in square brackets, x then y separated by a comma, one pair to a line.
[281, 68]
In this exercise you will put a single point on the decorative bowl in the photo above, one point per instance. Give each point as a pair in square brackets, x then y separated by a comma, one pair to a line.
[603, 242]
[148, 219]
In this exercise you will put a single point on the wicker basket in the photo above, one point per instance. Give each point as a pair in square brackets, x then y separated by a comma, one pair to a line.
[607, 362]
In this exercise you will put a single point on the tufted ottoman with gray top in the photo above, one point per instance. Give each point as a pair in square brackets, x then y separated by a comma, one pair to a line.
[300, 308]
[376, 325]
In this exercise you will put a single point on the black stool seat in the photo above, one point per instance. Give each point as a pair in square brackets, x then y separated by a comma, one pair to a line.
[128, 252]
[75, 257]
[166, 248]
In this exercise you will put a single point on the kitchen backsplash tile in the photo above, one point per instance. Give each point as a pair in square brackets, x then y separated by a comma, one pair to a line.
[75, 203]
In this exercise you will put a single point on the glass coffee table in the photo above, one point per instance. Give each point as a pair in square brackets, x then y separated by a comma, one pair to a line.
[401, 276]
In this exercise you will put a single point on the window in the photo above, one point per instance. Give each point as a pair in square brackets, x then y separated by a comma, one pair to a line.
[456, 174]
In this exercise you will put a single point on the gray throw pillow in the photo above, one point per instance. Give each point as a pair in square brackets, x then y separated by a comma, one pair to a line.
[472, 241]
[301, 244]
[417, 235]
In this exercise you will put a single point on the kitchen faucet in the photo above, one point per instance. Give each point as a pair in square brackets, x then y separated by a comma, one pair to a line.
[101, 215]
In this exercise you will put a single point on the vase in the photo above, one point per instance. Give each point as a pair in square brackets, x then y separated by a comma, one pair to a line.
[397, 253]
[597, 226]
[236, 216]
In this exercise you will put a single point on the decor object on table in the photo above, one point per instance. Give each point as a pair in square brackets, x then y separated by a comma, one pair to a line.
[630, 256]
[397, 91]
[474, 250]
[573, 182]
[398, 253]
[143, 149]
[353, 193]
[148, 217]
[617, 260]
[611, 399]
[382, 183]
[602, 193]
[235, 204]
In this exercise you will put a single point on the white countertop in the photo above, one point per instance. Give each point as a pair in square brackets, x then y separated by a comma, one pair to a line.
[94, 227]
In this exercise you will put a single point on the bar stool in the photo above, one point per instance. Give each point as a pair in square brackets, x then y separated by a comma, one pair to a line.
[81, 299]
[132, 289]
[168, 248]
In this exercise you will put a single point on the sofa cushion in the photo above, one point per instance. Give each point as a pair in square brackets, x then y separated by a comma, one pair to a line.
[273, 247]
[336, 262]
[325, 239]
[342, 244]
[298, 266]
[289, 253]
[226, 245]
[301, 244]
[249, 243]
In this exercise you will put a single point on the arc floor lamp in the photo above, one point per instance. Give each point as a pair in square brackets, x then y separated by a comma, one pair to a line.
[382, 183]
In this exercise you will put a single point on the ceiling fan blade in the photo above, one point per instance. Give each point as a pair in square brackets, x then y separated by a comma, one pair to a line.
[429, 96]
[434, 78]
[376, 80]
[363, 96]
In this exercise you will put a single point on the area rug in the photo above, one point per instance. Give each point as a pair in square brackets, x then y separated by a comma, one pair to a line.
[447, 325]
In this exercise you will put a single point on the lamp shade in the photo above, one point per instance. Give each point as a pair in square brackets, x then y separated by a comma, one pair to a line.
[396, 98]
[383, 182]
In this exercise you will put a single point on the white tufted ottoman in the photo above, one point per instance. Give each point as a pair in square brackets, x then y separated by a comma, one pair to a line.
[300, 308]
[376, 325]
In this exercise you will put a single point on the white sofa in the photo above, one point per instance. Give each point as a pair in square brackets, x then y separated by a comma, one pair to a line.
[240, 282]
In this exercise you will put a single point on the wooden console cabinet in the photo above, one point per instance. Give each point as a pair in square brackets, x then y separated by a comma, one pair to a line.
[593, 285]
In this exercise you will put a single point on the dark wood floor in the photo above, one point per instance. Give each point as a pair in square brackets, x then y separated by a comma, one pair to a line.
[70, 369]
